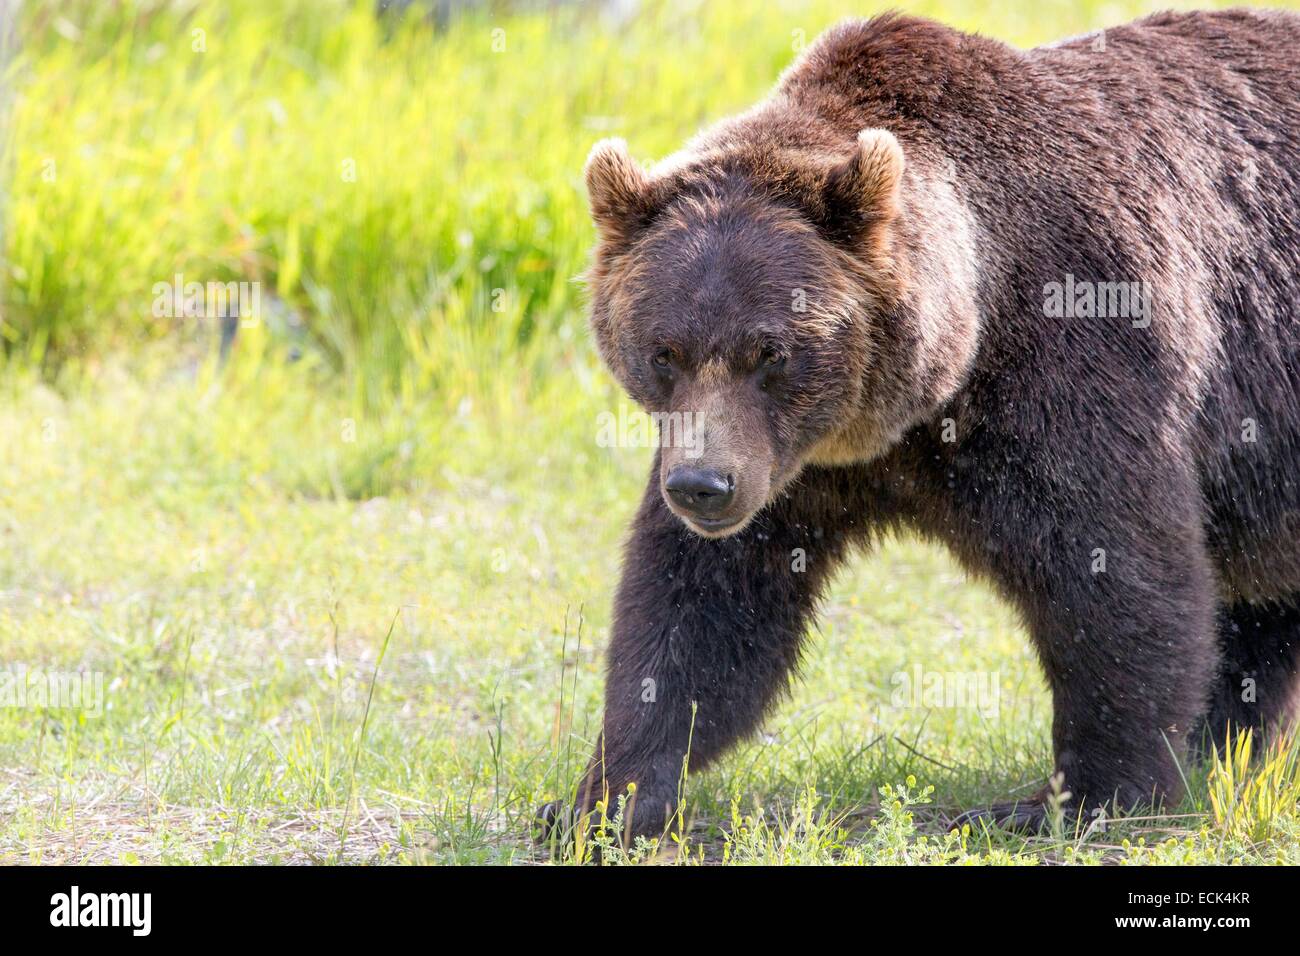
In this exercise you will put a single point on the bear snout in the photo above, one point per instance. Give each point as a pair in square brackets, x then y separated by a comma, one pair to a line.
[703, 492]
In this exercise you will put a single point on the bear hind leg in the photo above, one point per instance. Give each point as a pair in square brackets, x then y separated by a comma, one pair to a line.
[1258, 686]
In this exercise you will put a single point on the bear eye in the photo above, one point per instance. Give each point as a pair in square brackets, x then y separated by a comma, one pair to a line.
[772, 360]
[663, 359]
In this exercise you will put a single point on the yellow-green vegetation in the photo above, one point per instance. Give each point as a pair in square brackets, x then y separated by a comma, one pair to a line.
[347, 592]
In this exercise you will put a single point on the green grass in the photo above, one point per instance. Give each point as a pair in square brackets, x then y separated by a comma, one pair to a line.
[194, 542]
[350, 608]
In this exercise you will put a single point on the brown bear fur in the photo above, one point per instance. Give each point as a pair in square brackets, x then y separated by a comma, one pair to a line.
[917, 191]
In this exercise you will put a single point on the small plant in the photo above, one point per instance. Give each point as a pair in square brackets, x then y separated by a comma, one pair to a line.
[1056, 802]
[810, 832]
[894, 831]
[604, 839]
[1248, 800]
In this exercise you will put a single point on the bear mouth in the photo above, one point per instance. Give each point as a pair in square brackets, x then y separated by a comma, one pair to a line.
[713, 527]
[715, 524]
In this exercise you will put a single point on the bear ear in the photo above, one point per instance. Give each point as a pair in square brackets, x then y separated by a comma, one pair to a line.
[861, 195]
[620, 192]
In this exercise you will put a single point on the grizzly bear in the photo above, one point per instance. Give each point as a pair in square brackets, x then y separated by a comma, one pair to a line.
[1042, 306]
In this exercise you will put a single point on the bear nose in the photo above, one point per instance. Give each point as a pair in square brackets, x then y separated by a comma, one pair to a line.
[701, 491]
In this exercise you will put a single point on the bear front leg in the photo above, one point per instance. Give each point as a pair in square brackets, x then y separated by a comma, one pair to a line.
[705, 636]
[1121, 607]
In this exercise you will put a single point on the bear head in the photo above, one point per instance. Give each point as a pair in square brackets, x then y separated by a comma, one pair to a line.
[748, 299]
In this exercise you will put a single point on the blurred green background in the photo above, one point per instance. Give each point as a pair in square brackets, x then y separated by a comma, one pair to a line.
[381, 176]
